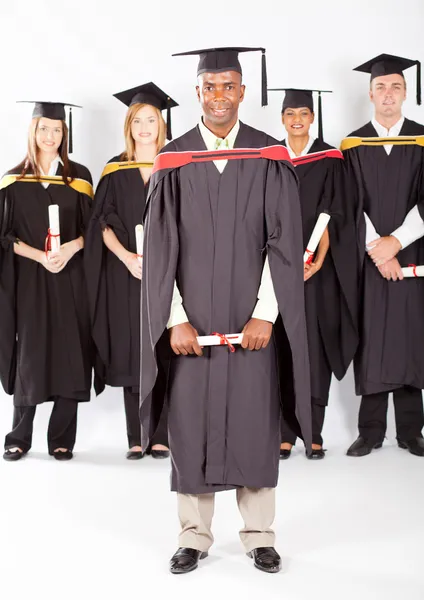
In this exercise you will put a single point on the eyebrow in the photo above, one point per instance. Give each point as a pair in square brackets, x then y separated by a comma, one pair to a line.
[225, 83]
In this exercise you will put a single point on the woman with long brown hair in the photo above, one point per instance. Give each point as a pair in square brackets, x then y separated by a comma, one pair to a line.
[45, 343]
[113, 266]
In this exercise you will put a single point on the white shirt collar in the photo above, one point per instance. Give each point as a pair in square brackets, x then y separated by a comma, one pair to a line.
[305, 149]
[53, 167]
[392, 132]
[210, 138]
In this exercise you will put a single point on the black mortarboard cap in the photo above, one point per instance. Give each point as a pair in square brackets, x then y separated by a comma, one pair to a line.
[149, 93]
[217, 60]
[55, 111]
[387, 64]
[296, 98]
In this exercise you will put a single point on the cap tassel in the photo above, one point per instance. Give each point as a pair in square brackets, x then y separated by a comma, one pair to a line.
[264, 81]
[70, 135]
[320, 127]
[418, 82]
[168, 123]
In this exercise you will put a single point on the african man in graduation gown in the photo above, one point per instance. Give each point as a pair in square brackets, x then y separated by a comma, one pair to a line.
[386, 169]
[113, 291]
[331, 291]
[46, 351]
[209, 233]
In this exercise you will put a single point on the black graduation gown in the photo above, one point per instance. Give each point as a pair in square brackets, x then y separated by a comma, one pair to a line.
[331, 294]
[114, 294]
[45, 342]
[208, 232]
[386, 187]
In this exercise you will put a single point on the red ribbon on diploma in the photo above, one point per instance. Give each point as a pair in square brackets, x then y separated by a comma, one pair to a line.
[414, 270]
[225, 341]
[48, 242]
[310, 256]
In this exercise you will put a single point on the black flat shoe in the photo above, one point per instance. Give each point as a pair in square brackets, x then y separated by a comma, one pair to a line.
[266, 559]
[362, 447]
[160, 453]
[13, 456]
[414, 446]
[186, 560]
[316, 454]
[59, 455]
[285, 454]
[134, 455]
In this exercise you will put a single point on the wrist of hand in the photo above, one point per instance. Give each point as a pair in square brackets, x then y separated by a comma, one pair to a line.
[77, 245]
[398, 244]
[126, 258]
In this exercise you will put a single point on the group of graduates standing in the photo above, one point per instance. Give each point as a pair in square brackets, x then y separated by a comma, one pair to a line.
[228, 212]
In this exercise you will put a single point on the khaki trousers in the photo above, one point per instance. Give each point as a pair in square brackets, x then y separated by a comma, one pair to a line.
[256, 506]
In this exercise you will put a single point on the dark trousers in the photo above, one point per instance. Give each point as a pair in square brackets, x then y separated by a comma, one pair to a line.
[62, 429]
[318, 415]
[132, 406]
[409, 414]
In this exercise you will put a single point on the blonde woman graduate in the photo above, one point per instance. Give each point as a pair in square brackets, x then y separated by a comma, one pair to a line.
[113, 266]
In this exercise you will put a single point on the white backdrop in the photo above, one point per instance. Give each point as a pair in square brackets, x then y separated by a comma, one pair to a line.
[84, 51]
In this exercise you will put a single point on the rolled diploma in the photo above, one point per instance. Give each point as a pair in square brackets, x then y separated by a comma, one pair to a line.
[409, 271]
[54, 226]
[318, 232]
[215, 340]
[139, 239]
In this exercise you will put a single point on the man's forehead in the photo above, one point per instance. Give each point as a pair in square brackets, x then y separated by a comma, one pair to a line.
[220, 76]
[393, 78]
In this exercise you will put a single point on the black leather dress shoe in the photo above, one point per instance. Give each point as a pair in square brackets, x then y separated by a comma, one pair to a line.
[266, 559]
[414, 446]
[186, 560]
[316, 454]
[285, 454]
[134, 455]
[160, 453]
[59, 455]
[13, 456]
[362, 447]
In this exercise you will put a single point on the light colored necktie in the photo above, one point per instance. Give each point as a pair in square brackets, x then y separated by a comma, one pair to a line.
[221, 144]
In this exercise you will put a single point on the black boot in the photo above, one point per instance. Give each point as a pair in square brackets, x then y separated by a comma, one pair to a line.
[414, 446]
[362, 447]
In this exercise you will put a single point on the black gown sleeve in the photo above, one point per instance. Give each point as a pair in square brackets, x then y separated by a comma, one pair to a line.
[160, 259]
[8, 342]
[285, 254]
[95, 266]
[338, 294]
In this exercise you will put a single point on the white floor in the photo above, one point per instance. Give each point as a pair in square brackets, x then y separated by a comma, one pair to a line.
[103, 528]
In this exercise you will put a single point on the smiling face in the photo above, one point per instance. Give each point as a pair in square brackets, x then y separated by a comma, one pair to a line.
[388, 93]
[145, 125]
[297, 121]
[49, 135]
[220, 95]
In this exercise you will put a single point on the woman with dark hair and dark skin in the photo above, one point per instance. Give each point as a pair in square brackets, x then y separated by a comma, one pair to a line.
[113, 267]
[330, 275]
[45, 346]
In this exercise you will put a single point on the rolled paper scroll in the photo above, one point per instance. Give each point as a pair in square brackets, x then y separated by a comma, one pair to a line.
[318, 232]
[53, 236]
[139, 239]
[219, 339]
[413, 271]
